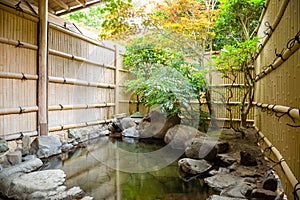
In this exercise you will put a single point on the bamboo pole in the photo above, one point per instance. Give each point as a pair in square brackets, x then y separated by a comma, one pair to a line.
[25, 14]
[117, 79]
[286, 169]
[21, 76]
[18, 110]
[80, 106]
[18, 43]
[79, 125]
[293, 112]
[72, 81]
[14, 136]
[78, 58]
[287, 53]
[43, 68]
[274, 25]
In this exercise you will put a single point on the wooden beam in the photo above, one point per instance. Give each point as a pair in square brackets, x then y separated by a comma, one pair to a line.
[43, 68]
[61, 4]
[117, 79]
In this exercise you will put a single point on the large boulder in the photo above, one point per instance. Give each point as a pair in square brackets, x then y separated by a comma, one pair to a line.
[45, 146]
[201, 148]
[192, 166]
[126, 123]
[156, 124]
[179, 136]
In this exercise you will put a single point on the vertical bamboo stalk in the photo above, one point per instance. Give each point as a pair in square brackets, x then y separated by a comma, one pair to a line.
[117, 74]
[42, 68]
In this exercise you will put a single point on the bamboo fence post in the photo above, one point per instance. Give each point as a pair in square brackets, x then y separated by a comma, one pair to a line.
[42, 68]
[117, 77]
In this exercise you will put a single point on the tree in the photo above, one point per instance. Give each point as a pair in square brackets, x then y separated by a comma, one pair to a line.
[237, 59]
[237, 21]
[163, 77]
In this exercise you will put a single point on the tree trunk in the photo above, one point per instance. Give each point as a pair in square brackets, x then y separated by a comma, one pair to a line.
[244, 120]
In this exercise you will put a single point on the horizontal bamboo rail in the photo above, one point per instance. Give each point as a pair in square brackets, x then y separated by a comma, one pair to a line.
[14, 136]
[81, 37]
[292, 112]
[21, 76]
[78, 58]
[18, 110]
[80, 106]
[281, 59]
[284, 166]
[72, 81]
[228, 119]
[272, 27]
[79, 125]
[18, 43]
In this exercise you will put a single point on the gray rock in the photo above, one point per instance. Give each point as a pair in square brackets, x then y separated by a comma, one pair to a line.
[247, 159]
[14, 158]
[222, 181]
[156, 124]
[66, 147]
[126, 123]
[45, 146]
[201, 148]
[192, 166]
[28, 157]
[238, 191]
[222, 146]
[75, 134]
[225, 160]
[26, 145]
[180, 135]
[217, 197]
[270, 182]
[131, 132]
[263, 194]
[3, 146]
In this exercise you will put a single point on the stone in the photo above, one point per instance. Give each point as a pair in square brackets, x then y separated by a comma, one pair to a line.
[201, 148]
[269, 182]
[156, 124]
[66, 147]
[131, 132]
[3, 146]
[72, 133]
[222, 181]
[247, 159]
[179, 136]
[192, 166]
[26, 145]
[28, 157]
[45, 146]
[126, 123]
[225, 160]
[222, 146]
[14, 157]
[238, 191]
[218, 197]
[87, 198]
[263, 194]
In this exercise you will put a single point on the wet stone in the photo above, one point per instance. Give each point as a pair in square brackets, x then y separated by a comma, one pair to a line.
[192, 166]
[222, 181]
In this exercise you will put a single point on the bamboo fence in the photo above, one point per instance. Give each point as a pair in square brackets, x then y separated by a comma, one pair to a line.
[277, 96]
[82, 81]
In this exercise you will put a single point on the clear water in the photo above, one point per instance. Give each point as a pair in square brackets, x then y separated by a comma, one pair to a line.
[86, 167]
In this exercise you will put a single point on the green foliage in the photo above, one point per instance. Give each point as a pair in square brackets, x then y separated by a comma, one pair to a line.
[237, 21]
[163, 77]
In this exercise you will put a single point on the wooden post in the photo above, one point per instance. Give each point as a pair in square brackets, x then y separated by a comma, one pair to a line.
[43, 68]
[117, 88]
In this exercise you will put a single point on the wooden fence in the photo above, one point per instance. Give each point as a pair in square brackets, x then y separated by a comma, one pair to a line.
[277, 97]
[83, 76]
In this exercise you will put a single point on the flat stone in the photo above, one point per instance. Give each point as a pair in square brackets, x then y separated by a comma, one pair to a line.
[217, 197]
[222, 181]
[263, 194]
[193, 166]
[238, 191]
[15, 157]
[225, 160]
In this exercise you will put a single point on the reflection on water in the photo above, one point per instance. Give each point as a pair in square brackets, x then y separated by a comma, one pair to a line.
[87, 168]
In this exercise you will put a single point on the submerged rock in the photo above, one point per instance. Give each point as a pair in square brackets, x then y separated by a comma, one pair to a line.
[192, 166]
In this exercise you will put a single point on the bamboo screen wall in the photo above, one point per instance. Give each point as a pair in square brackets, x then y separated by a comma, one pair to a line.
[277, 89]
[83, 77]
